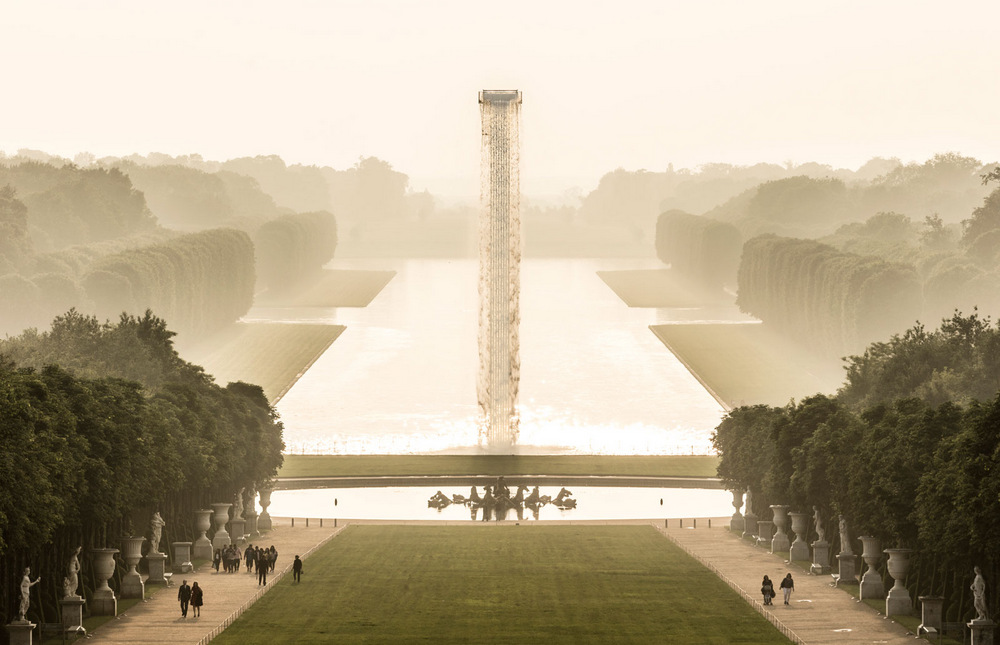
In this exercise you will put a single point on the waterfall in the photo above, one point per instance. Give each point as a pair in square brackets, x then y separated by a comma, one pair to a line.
[499, 268]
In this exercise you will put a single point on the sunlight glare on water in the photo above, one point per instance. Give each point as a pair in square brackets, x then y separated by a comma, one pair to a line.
[401, 379]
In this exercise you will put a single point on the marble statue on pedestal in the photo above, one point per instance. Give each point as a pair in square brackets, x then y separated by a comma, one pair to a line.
[26, 585]
[156, 524]
[238, 504]
[72, 580]
[979, 595]
[845, 538]
[819, 525]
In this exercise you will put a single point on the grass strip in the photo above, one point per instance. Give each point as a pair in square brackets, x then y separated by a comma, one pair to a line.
[272, 355]
[745, 364]
[658, 288]
[399, 465]
[501, 584]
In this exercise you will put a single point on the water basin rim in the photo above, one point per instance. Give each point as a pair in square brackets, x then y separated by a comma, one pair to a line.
[618, 481]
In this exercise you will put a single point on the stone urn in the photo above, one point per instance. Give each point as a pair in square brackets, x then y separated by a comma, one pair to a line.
[871, 582]
[264, 519]
[779, 543]
[765, 531]
[132, 586]
[897, 602]
[104, 602]
[736, 522]
[202, 549]
[799, 549]
[221, 518]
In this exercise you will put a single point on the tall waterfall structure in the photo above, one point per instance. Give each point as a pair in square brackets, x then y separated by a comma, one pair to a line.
[499, 267]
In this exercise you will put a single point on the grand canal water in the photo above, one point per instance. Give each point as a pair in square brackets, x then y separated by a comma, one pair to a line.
[401, 379]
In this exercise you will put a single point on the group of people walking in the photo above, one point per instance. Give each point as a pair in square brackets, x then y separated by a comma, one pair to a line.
[787, 586]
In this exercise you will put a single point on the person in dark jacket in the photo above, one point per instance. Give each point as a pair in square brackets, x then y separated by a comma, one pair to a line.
[767, 590]
[197, 599]
[184, 596]
[787, 587]
[297, 570]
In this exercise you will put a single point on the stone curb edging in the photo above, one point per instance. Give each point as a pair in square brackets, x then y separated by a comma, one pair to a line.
[752, 601]
[257, 596]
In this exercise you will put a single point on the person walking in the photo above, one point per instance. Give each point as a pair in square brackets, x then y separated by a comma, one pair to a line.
[217, 559]
[767, 590]
[273, 557]
[197, 599]
[297, 570]
[184, 596]
[262, 566]
[787, 587]
[248, 558]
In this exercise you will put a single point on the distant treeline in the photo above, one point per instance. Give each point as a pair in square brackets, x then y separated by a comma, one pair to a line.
[825, 298]
[103, 424]
[111, 256]
[200, 281]
[706, 250]
[293, 247]
[907, 452]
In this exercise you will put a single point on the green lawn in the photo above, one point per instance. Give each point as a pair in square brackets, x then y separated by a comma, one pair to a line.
[501, 584]
[272, 355]
[388, 465]
[745, 364]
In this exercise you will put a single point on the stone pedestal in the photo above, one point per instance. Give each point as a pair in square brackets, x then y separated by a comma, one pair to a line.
[19, 632]
[252, 525]
[780, 543]
[980, 630]
[749, 524]
[736, 521]
[71, 608]
[799, 549]
[264, 519]
[202, 549]
[930, 614]
[221, 518]
[237, 529]
[897, 601]
[821, 558]
[871, 582]
[765, 531]
[132, 585]
[182, 557]
[847, 574]
[157, 563]
[103, 602]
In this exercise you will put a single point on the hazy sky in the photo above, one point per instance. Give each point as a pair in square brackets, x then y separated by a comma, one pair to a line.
[632, 84]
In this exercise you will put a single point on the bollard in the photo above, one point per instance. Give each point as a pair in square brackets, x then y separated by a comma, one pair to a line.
[680, 524]
[307, 522]
[709, 522]
[665, 524]
[293, 522]
[334, 522]
[695, 523]
[321, 522]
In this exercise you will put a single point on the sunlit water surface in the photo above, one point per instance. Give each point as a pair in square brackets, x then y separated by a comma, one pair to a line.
[401, 379]
[410, 503]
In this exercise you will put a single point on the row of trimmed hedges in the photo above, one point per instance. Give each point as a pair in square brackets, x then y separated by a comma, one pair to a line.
[703, 249]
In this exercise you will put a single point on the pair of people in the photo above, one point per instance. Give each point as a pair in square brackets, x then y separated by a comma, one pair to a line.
[767, 589]
[190, 595]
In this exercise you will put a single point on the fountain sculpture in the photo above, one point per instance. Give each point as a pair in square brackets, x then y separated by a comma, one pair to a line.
[499, 268]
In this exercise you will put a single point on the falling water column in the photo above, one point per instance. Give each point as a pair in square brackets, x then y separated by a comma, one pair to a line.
[499, 268]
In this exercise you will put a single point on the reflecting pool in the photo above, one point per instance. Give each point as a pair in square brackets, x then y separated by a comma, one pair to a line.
[410, 503]
[401, 379]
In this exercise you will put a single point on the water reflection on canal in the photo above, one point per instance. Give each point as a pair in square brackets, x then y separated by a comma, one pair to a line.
[410, 503]
[401, 379]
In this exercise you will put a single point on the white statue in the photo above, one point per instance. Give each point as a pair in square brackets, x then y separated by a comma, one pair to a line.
[156, 524]
[820, 531]
[845, 538]
[979, 595]
[72, 580]
[26, 585]
[238, 504]
[748, 509]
